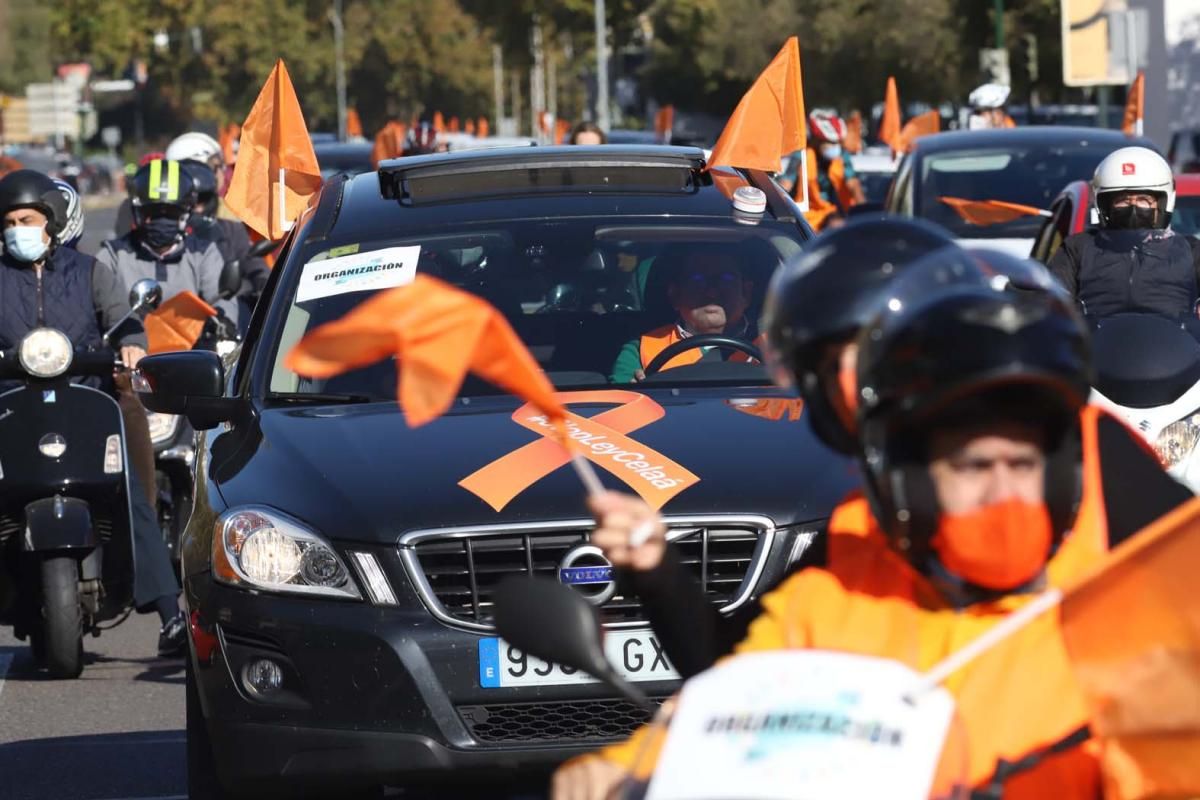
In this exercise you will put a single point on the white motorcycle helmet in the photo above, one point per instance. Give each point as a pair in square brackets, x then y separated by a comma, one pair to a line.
[989, 96]
[1134, 169]
[195, 146]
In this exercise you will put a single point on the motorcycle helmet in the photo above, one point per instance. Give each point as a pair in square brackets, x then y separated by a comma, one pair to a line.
[162, 190]
[826, 127]
[72, 231]
[955, 343]
[421, 139]
[27, 188]
[989, 96]
[825, 295]
[196, 146]
[1134, 169]
[204, 181]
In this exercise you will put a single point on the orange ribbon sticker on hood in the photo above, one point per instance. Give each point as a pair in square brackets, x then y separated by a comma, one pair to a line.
[601, 439]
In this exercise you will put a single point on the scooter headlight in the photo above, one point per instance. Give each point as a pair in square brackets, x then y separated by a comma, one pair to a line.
[259, 548]
[1177, 441]
[162, 426]
[45, 353]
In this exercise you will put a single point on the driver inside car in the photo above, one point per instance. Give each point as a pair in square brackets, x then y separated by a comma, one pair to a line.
[709, 292]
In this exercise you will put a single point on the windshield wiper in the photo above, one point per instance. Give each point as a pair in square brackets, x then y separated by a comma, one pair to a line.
[320, 397]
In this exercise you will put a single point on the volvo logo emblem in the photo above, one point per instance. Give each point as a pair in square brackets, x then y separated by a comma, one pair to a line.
[585, 568]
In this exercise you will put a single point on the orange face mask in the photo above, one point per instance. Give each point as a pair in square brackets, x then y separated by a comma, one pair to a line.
[1001, 546]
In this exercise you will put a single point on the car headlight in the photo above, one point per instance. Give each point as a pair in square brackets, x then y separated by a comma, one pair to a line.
[45, 353]
[261, 548]
[162, 426]
[1177, 441]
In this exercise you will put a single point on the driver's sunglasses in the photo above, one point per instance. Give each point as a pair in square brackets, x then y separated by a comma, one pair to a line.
[699, 281]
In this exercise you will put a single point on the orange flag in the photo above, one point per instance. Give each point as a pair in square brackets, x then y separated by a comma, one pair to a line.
[1133, 634]
[562, 129]
[469, 127]
[354, 128]
[389, 143]
[889, 126]
[454, 125]
[177, 323]
[277, 171]
[481, 128]
[853, 143]
[991, 212]
[664, 123]
[228, 139]
[438, 334]
[1135, 107]
[918, 126]
[768, 124]
[439, 122]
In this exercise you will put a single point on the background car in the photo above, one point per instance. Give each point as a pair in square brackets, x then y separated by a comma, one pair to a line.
[1070, 213]
[350, 158]
[1186, 219]
[339, 566]
[1026, 166]
[1183, 154]
[876, 168]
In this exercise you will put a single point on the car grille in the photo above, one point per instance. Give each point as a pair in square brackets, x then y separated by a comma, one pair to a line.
[575, 721]
[458, 571]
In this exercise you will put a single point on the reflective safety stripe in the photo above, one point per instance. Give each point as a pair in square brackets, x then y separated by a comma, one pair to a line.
[158, 186]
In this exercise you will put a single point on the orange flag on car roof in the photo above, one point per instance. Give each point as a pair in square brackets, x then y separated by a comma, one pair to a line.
[1135, 107]
[889, 125]
[853, 143]
[228, 141]
[562, 130]
[439, 122]
[354, 128]
[469, 127]
[1133, 635]
[389, 142]
[664, 123]
[177, 323]
[768, 124]
[438, 334]
[277, 171]
[481, 128]
[454, 124]
[918, 126]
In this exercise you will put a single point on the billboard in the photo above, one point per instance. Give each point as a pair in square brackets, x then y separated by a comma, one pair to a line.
[1104, 42]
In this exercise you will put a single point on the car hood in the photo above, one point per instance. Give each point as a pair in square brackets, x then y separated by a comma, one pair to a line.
[357, 472]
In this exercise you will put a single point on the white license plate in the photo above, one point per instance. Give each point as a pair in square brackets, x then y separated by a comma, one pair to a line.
[636, 655]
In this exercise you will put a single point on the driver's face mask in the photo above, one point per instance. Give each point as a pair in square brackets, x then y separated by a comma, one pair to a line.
[26, 242]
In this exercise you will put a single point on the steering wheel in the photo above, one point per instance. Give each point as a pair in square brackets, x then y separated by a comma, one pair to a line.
[703, 340]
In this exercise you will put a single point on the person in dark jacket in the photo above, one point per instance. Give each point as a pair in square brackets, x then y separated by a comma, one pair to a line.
[1133, 261]
[815, 309]
[44, 284]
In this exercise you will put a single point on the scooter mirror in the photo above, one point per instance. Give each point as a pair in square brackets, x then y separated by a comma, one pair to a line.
[145, 296]
[553, 622]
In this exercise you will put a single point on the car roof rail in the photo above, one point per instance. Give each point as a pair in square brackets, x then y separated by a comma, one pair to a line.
[395, 176]
[328, 207]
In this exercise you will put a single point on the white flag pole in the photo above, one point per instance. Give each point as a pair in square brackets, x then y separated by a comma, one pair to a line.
[284, 223]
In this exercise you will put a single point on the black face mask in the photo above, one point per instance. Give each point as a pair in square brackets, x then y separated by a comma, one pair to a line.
[159, 232]
[1132, 217]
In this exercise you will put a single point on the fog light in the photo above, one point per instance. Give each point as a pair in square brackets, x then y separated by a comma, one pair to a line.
[52, 445]
[262, 677]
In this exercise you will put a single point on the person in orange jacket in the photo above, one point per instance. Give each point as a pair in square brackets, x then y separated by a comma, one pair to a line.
[833, 185]
[972, 503]
[707, 288]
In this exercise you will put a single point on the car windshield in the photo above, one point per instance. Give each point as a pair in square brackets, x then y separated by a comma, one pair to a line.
[1027, 176]
[575, 290]
[1186, 219]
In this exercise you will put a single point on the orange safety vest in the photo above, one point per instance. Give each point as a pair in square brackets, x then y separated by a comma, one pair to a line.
[1017, 698]
[660, 339]
[820, 209]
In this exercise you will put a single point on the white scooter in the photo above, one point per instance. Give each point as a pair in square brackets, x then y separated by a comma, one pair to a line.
[1148, 374]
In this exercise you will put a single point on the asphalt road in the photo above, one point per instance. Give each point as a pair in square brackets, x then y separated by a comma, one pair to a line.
[118, 730]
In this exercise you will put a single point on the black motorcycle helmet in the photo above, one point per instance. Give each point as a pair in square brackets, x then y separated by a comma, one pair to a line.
[826, 294]
[27, 188]
[204, 184]
[162, 183]
[958, 342]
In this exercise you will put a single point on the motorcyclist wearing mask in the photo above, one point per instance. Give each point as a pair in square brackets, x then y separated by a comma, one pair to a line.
[45, 283]
[1133, 261]
[833, 186]
[987, 107]
[158, 247]
[229, 235]
[972, 487]
[816, 308]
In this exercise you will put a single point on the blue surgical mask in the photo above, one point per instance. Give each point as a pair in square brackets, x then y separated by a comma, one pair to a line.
[831, 151]
[25, 243]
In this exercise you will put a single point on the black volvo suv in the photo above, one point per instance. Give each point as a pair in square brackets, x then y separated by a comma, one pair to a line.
[339, 566]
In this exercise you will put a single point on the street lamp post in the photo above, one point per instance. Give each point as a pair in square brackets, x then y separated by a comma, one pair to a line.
[602, 118]
[335, 17]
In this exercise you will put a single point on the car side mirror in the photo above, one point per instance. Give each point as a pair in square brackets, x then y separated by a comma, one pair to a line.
[188, 382]
[230, 280]
[547, 619]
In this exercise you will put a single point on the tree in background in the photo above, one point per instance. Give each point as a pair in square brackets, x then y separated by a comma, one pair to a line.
[24, 44]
